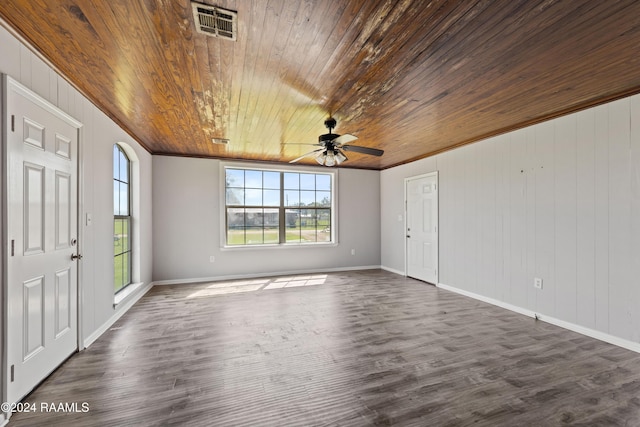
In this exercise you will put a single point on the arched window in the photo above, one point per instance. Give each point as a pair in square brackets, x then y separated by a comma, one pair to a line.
[121, 219]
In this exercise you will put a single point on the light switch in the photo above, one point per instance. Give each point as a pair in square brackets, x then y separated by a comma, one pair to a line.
[89, 219]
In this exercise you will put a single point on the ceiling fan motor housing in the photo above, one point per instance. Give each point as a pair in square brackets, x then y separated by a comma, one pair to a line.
[327, 138]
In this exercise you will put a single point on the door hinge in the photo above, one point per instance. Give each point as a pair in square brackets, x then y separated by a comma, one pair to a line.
[13, 371]
[13, 123]
[13, 247]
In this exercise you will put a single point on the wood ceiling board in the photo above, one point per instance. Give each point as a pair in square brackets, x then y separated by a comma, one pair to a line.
[410, 77]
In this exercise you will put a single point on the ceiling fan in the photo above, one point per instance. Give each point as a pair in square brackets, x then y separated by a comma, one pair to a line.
[333, 146]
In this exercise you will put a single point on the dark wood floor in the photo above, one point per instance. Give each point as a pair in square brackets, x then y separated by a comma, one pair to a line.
[343, 349]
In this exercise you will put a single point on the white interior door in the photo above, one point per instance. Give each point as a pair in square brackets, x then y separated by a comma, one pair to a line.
[422, 227]
[42, 195]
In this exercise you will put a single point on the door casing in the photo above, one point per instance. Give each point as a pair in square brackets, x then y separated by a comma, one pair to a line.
[406, 216]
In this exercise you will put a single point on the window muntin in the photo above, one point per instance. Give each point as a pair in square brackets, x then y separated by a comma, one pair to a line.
[121, 219]
[276, 207]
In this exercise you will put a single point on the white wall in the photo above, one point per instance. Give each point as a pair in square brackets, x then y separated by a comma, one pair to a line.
[559, 200]
[186, 206]
[97, 137]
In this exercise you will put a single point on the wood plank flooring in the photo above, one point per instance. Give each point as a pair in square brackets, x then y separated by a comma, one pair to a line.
[342, 349]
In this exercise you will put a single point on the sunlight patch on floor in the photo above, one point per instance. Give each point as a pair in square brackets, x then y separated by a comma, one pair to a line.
[294, 281]
[239, 286]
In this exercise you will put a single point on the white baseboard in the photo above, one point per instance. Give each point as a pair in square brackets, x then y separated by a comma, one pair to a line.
[259, 275]
[392, 270]
[488, 300]
[602, 336]
[121, 309]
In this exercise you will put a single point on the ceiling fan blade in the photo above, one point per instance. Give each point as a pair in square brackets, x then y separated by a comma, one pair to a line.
[343, 139]
[363, 150]
[301, 143]
[306, 155]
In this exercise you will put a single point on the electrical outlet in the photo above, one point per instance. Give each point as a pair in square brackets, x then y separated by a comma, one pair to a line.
[537, 283]
[212, 258]
[353, 251]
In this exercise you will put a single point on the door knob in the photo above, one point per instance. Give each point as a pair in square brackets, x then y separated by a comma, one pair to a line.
[75, 257]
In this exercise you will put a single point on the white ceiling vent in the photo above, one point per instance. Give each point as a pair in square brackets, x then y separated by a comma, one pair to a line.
[215, 22]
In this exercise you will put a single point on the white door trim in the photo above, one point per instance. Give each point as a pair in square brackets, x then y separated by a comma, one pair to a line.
[406, 242]
[10, 85]
[15, 86]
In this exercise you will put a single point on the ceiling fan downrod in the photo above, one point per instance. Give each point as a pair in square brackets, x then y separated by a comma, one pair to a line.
[326, 138]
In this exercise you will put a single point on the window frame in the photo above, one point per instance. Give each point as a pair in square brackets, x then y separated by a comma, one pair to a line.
[128, 218]
[281, 169]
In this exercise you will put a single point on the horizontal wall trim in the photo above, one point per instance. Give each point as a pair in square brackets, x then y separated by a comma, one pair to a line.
[620, 342]
[392, 270]
[122, 308]
[256, 275]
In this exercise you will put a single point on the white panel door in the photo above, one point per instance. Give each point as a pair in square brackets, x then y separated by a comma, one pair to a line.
[42, 172]
[422, 227]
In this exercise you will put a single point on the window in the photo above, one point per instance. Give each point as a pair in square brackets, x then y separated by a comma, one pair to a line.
[121, 219]
[267, 207]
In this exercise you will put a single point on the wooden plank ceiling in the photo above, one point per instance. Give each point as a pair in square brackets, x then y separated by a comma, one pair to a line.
[411, 77]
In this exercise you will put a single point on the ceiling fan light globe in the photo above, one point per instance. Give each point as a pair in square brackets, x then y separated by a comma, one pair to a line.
[340, 157]
[320, 158]
[331, 159]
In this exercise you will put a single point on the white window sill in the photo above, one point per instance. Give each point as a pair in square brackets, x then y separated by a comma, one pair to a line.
[279, 246]
[126, 293]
